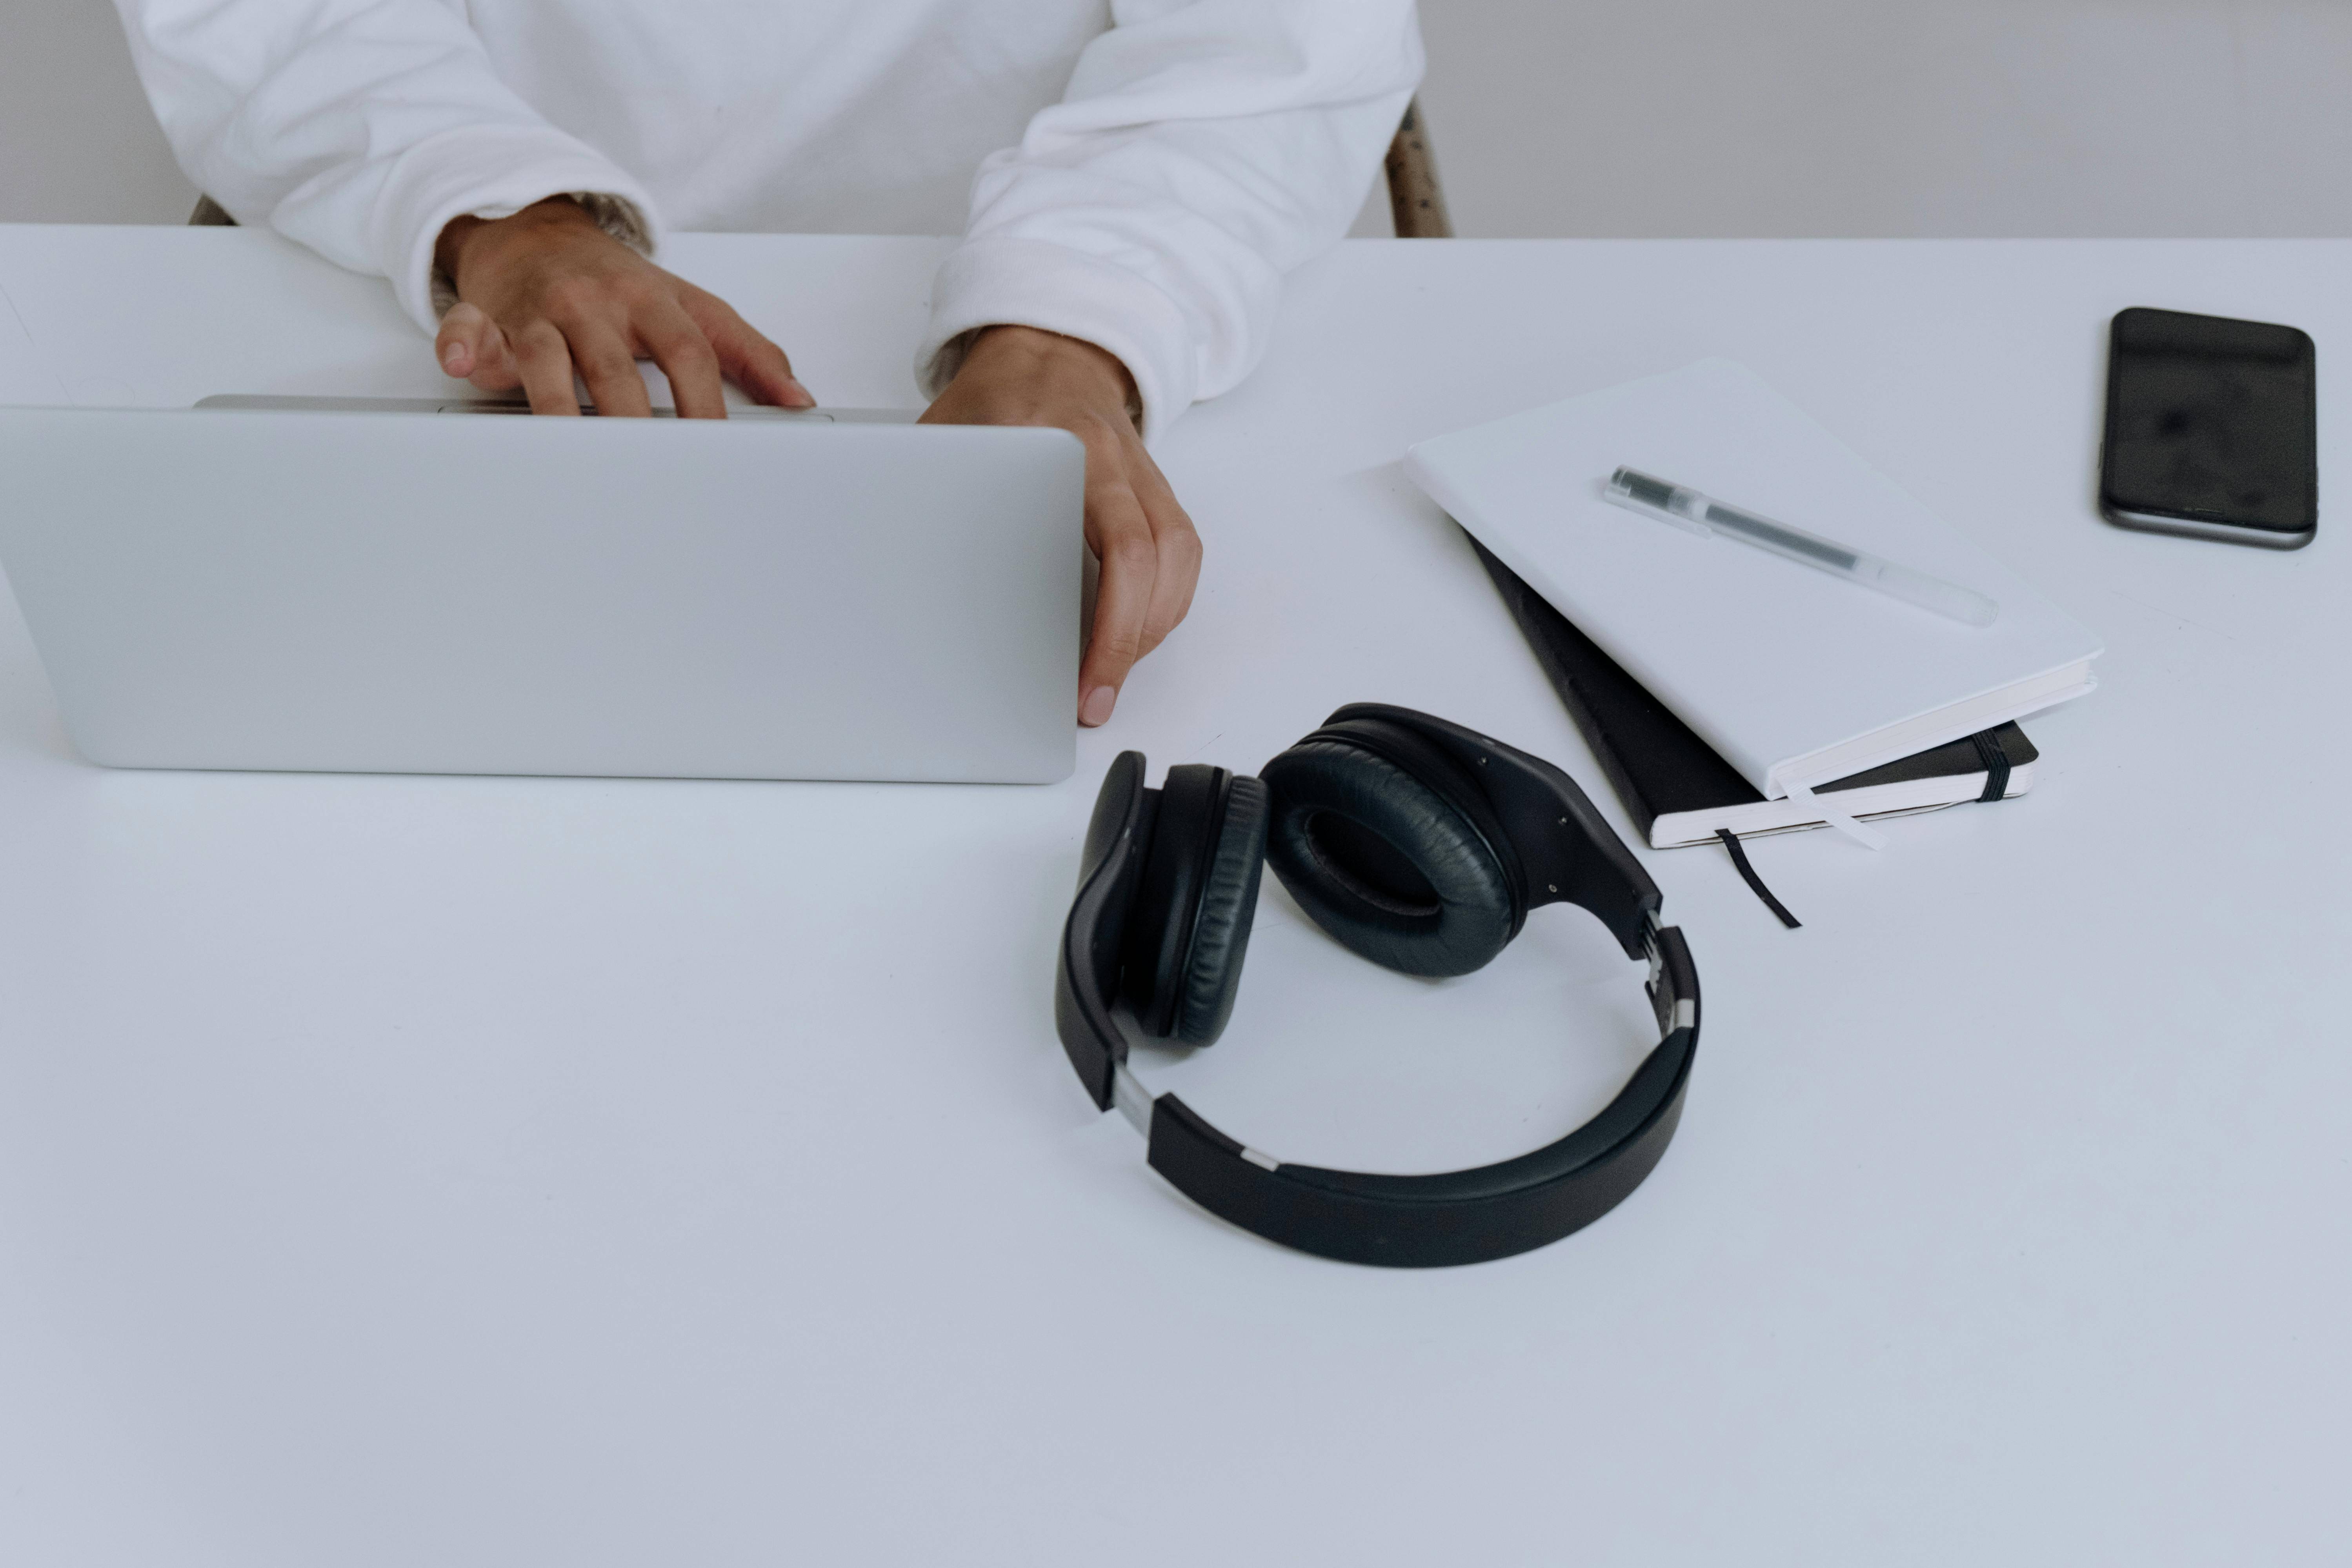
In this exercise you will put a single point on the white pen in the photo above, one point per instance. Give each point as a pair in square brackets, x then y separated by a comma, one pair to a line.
[1686, 507]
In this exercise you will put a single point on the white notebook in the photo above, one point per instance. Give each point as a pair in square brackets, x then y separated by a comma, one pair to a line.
[1795, 675]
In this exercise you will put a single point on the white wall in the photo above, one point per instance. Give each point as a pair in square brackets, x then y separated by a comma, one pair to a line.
[76, 141]
[1893, 117]
[1648, 117]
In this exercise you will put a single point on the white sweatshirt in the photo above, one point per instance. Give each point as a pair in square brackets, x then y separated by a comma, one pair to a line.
[1139, 174]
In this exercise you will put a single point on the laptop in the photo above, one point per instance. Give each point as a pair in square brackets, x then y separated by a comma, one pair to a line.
[368, 586]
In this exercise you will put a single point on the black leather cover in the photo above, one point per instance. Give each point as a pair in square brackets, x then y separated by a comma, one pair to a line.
[1475, 911]
[1221, 932]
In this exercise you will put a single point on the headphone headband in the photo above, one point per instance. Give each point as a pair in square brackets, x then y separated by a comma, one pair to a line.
[1458, 1217]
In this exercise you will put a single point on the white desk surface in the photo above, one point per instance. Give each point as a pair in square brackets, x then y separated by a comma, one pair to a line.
[401, 1170]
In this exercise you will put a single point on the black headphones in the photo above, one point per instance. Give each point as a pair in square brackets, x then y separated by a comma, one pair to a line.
[1421, 845]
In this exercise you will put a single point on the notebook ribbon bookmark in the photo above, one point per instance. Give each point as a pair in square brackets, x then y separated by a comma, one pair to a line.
[1755, 883]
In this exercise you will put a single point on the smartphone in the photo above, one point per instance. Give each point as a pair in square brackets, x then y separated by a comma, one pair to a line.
[2213, 429]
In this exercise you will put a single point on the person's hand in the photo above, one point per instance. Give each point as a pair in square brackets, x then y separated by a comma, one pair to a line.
[546, 292]
[1151, 555]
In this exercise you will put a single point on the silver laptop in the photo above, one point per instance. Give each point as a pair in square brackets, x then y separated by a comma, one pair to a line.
[347, 586]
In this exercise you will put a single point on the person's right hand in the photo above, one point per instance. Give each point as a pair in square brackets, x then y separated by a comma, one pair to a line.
[546, 292]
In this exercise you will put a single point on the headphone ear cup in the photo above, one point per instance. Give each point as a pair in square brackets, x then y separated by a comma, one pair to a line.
[1220, 930]
[1384, 863]
[1185, 813]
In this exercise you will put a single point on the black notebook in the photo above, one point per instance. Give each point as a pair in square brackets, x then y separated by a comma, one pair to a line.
[1679, 791]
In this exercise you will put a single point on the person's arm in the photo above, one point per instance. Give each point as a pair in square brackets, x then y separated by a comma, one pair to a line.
[1203, 149]
[377, 133]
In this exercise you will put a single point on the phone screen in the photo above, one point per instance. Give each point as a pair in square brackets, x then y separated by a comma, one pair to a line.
[2212, 428]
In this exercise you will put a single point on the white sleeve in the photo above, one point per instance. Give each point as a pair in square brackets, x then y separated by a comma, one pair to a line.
[360, 128]
[1204, 148]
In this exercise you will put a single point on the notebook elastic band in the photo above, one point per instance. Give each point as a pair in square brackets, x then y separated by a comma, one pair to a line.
[1996, 761]
[1755, 883]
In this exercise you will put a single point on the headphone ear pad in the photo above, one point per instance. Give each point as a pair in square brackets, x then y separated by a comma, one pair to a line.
[1383, 863]
[1220, 930]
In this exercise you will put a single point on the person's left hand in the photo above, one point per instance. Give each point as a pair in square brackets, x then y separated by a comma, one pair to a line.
[1151, 555]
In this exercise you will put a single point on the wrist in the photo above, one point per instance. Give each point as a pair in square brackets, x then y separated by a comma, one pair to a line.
[462, 234]
[1085, 369]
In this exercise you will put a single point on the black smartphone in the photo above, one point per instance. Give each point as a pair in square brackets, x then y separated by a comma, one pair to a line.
[2213, 429]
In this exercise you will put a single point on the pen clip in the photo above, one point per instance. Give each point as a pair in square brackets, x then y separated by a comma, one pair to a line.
[1626, 489]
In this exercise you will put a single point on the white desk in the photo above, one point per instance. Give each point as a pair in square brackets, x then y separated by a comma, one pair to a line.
[401, 1170]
